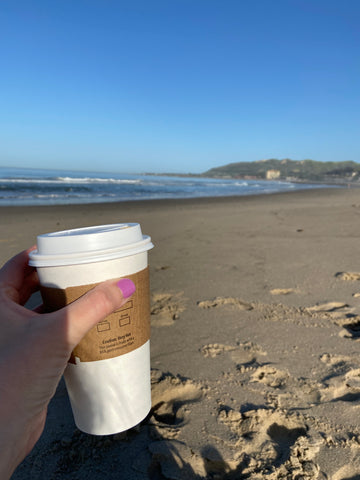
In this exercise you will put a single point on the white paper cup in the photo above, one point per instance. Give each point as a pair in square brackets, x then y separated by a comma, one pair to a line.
[108, 375]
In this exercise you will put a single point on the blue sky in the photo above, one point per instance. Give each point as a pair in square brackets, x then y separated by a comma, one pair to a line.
[177, 85]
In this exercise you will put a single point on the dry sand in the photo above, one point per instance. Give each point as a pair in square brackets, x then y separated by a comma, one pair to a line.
[255, 352]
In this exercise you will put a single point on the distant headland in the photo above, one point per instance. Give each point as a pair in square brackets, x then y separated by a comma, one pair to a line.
[290, 170]
[310, 171]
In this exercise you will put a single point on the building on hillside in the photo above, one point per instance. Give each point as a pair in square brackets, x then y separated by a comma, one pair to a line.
[272, 174]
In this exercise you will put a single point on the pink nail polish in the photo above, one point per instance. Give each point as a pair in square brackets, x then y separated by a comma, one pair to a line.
[127, 287]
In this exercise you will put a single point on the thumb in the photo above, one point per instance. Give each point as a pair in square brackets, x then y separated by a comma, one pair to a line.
[94, 306]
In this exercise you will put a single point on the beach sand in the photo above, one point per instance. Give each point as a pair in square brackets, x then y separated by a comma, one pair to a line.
[255, 341]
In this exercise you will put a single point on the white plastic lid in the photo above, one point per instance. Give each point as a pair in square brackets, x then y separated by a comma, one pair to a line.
[90, 244]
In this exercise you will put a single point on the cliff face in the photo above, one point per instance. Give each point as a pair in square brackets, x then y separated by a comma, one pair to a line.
[286, 169]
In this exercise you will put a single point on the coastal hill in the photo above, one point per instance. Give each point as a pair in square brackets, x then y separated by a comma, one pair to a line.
[292, 170]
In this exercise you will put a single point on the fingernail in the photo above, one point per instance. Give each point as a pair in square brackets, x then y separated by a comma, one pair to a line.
[127, 287]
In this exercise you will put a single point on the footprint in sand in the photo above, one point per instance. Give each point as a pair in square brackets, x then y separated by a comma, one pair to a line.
[244, 355]
[335, 360]
[228, 301]
[348, 276]
[169, 395]
[271, 438]
[213, 350]
[327, 307]
[282, 291]
[166, 308]
[340, 312]
[342, 387]
[350, 328]
[270, 376]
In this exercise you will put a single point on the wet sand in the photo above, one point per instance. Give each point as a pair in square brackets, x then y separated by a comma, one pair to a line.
[255, 341]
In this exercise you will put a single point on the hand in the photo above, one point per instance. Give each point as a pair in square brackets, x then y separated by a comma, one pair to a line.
[34, 350]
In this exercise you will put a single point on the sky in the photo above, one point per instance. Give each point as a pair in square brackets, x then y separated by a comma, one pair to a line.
[177, 85]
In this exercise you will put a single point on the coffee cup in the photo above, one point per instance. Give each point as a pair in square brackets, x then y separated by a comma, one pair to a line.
[108, 374]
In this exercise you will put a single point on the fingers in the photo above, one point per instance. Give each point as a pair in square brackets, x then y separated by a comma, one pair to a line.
[29, 286]
[94, 306]
[17, 267]
[18, 278]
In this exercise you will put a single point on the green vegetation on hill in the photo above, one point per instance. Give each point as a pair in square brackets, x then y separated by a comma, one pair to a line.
[300, 170]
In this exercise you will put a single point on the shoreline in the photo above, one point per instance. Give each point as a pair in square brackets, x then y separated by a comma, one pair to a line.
[73, 190]
[202, 199]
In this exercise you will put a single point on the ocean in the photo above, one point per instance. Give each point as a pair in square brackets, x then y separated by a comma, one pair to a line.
[20, 186]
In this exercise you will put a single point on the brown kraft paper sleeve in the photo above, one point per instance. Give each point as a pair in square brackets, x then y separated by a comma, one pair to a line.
[121, 332]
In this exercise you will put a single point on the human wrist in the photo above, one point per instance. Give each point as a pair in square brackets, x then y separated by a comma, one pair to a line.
[14, 439]
[9, 457]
